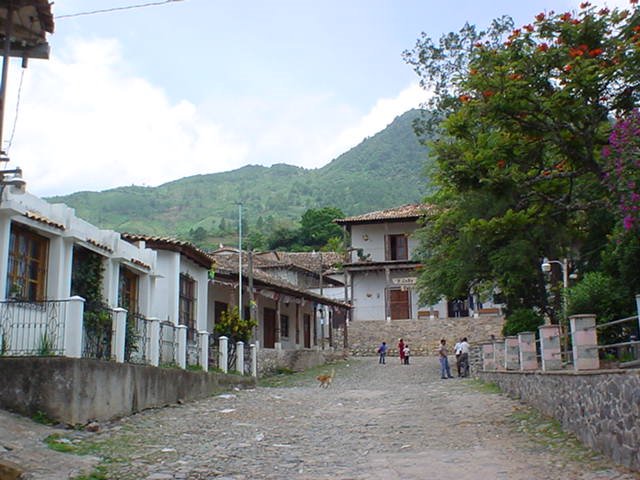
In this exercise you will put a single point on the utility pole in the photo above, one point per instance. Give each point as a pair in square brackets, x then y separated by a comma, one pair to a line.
[240, 309]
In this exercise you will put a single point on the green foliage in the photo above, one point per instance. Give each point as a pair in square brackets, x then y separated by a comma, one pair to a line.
[521, 320]
[46, 345]
[232, 327]
[42, 418]
[518, 169]
[315, 232]
[382, 172]
[600, 294]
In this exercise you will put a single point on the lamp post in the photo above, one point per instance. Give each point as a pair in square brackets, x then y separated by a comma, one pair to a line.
[240, 310]
[545, 266]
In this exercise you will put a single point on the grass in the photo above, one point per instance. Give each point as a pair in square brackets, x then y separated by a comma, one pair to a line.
[284, 377]
[484, 387]
[42, 418]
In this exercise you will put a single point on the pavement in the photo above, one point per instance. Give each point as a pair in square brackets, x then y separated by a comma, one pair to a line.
[375, 421]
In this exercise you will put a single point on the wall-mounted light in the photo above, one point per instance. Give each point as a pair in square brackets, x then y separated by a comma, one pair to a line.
[365, 237]
[12, 178]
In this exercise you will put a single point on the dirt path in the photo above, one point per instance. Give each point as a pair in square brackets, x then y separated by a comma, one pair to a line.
[375, 422]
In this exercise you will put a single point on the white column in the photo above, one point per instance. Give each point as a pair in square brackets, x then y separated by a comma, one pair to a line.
[5, 234]
[204, 349]
[550, 347]
[73, 328]
[240, 357]
[119, 329]
[154, 342]
[223, 354]
[254, 360]
[181, 331]
[584, 342]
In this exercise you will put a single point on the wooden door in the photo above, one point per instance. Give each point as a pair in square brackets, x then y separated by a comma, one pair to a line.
[269, 328]
[399, 306]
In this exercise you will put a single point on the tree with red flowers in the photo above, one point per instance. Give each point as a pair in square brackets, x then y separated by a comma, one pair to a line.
[526, 112]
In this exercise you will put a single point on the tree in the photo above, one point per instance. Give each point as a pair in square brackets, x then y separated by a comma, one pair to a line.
[526, 113]
[317, 227]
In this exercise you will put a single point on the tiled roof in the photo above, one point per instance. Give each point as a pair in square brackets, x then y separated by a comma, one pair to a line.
[187, 249]
[412, 211]
[42, 219]
[227, 263]
[306, 260]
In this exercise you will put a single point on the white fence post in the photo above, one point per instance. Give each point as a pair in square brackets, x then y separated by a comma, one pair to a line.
[527, 349]
[119, 334]
[181, 331]
[584, 342]
[204, 350]
[240, 357]
[550, 347]
[154, 339]
[224, 353]
[254, 360]
[73, 328]
[511, 353]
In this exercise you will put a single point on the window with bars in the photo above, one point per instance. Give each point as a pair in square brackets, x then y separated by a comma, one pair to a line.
[27, 269]
[128, 290]
[284, 326]
[187, 308]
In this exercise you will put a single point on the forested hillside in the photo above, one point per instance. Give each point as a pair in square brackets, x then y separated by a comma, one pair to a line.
[383, 171]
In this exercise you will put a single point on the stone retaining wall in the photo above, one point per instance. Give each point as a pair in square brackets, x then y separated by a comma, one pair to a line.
[422, 335]
[270, 360]
[75, 391]
[601, 408]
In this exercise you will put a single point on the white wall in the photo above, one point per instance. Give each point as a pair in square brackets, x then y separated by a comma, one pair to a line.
[371, 238]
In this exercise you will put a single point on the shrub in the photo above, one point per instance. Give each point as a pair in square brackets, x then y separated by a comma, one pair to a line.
[522, 320]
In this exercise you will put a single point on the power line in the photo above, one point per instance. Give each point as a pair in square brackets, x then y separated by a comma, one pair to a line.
[115, 9]
[15, 119]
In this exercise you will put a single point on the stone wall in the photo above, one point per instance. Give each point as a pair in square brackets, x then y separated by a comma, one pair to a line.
[423, 335]
[75, 391]
[270, 360]
[601, 408]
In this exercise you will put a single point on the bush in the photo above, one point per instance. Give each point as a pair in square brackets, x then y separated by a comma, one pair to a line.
[522, 320]
[601, 295]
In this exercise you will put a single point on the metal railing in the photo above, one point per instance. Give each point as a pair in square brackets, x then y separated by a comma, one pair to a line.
[168, 348]
[138, 339]
[32, 328]
[622, 343]
[97, 331]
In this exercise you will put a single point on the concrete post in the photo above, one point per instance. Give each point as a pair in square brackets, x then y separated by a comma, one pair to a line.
[119, 334]
[204, 349]
[511, 353]
[527, 349]
[154, 342]
[181, 332]
[488, 363]
[240, 357]
[254, 360]
[585, 342]
[73, 333]
[223, 362]
[550, 347]
[498, 354]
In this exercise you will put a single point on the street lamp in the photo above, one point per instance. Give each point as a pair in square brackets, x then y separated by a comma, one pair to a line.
[545, 266]
[240, 311]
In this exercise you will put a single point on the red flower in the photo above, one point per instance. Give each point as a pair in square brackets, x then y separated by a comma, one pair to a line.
[595, 52]
[478, 45]
[633, 2]
[565, 17]
[636, 28]
[515, 76]
[575, 21]
[543, 47]
[464, 98]
[473, 71]
[604, 11]
[575, 52]
[583, 47]
[540, 17]
[567, 68]
[487, 94]
[585, 5]
[516, 33]
[501, 163]
[528, 28]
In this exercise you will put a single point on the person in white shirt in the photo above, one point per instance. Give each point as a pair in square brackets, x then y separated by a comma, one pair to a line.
[464, 357]
[458, 352]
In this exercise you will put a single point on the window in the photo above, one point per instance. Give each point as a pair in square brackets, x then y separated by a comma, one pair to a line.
[396, 247]
[128, 290]
[27, 269]
[284, 326]
[187, 308]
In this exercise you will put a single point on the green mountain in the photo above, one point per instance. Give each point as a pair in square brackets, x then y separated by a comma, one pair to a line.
[383, 171]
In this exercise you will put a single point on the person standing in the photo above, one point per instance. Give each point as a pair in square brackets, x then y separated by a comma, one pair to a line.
[407, 353]
[382, 351]
[445, 371]
[457, 351]
[464, 357]
[401, 350]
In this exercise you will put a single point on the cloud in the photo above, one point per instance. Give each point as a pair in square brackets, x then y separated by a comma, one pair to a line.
[86, 124]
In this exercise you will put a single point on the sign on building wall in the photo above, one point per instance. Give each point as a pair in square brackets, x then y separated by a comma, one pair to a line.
[404, 281]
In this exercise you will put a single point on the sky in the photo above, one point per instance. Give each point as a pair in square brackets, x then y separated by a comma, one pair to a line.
[144, 96]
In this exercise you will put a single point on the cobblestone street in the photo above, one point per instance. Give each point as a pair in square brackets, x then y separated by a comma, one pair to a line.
[374, 422]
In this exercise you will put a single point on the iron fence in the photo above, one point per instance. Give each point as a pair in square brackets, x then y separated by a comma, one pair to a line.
[168, 344]
[32, 328]
[138, 339]
[97, 331]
